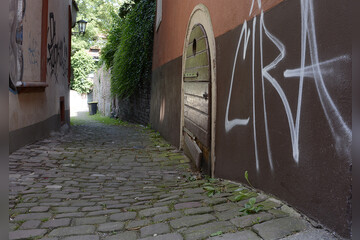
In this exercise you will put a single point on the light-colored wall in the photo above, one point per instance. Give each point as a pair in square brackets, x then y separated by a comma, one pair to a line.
[32, 41]
[26, 109]
[101, 91]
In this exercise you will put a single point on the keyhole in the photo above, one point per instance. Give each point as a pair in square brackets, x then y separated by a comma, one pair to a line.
[194, 47]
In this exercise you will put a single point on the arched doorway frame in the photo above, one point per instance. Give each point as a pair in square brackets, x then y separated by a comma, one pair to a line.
[201, 15]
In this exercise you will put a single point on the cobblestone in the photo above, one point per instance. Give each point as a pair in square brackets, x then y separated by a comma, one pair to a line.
[31, 224]
[66, 231]
[90, 220]
[32, 216]
[171, 236]
[123, 216]
[244, 235]
[110, 226]
[62, 222]
[123, 236]
[111, 182]
[83, 237]
[26, 234]
[189, 221]
[166, 216]
[279, 228]
[137, 224]
[152, 211]
[155, 229]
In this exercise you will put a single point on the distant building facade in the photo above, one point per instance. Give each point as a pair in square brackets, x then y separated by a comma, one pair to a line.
[39, 79]
[262, 86]
[101, 91]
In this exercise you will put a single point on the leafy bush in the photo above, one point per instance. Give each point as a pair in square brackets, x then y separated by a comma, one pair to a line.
[129, 49]
[82, 64]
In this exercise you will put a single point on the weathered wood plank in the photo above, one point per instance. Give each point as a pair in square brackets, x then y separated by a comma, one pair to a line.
[203, 74]
[199, 118]
[196, 88]
[200, 103]
[200, 134]
[195, 152]
[199, 60]
[196, 32]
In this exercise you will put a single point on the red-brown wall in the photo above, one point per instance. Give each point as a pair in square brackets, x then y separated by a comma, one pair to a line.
[225, 15]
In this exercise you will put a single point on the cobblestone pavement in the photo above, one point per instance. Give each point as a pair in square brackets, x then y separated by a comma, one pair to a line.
[124, 182]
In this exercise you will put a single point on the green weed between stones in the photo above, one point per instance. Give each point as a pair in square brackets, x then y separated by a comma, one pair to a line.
[107, 120]
[212, 186]
[19, 223]
[157, 140]
[218, 233]
[247, 178]
[210, 189]
[250, 207]
[243, 193]
[257, 220]
[74, 121]
[172, 206]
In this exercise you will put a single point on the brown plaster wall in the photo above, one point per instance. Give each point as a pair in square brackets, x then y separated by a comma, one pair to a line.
[32, 133]
[166, 99]
[318, 181]
[225, 15]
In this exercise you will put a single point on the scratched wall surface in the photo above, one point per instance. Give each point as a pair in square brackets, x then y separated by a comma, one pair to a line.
[32, 41]
[16, 58]
[283, 105]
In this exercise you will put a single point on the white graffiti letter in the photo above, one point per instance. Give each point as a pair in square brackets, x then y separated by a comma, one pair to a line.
[245, 33]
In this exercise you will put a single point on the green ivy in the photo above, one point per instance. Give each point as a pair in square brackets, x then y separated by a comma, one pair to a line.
[129, 49]
[82, 64]
[113, 40]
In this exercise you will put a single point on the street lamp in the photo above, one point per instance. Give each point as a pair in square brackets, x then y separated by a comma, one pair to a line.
[82, 27]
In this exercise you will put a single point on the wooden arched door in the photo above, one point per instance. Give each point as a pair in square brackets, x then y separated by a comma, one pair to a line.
[197, 100]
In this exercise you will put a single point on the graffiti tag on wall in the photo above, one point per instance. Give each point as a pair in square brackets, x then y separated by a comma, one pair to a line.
[58, 51]
[317, 70]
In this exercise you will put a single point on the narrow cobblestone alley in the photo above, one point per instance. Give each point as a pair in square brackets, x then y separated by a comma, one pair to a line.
[115, 182]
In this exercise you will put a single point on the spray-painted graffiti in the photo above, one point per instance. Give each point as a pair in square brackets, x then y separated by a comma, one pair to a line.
[17, 10]
[317, 70]
[58, 51]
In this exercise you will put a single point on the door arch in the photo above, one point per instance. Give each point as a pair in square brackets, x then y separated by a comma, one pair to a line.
[198, 96]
